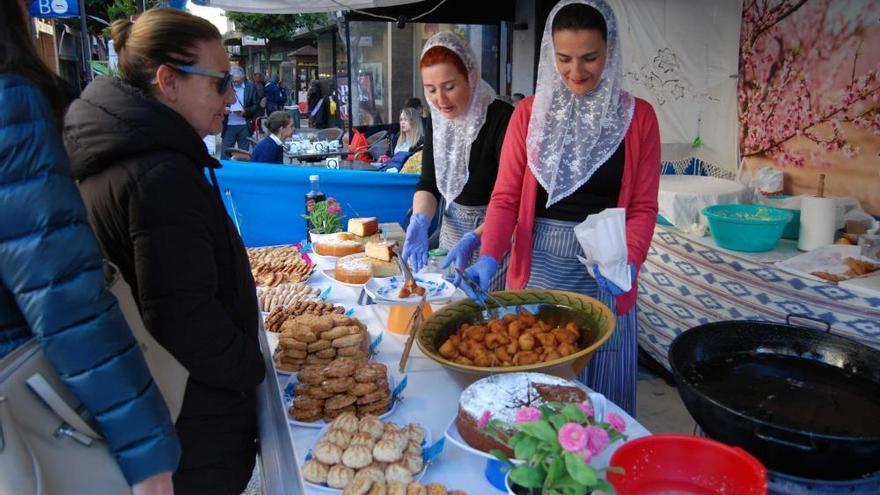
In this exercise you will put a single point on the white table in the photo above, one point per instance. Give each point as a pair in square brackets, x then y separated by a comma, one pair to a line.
[431, 398]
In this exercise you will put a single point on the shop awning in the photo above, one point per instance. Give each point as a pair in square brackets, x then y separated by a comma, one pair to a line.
[298, 6]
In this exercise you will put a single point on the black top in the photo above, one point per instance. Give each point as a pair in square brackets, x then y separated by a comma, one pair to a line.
[141, 172]
[597, 194]
[483, 163]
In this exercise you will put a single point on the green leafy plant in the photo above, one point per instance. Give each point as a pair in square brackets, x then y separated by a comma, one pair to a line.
[554, 445]
[325, 217]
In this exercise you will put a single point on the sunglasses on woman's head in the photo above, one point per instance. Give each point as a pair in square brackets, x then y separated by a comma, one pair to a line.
[222, 84]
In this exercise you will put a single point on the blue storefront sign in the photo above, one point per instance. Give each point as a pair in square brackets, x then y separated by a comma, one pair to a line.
[54, 8]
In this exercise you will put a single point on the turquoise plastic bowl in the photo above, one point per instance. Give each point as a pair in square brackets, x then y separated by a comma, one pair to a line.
[749, 228]
[793, 228]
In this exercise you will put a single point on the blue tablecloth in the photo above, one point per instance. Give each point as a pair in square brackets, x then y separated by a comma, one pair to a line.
[266, 201]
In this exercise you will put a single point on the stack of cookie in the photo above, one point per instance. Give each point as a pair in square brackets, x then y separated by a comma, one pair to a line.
[312, 339]
[356, 454]
[279, 315]
[370, 487]
[346, 385]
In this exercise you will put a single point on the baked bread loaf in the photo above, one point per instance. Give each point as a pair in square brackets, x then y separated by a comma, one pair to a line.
[339, 244]
[363, 227]
[502, 395]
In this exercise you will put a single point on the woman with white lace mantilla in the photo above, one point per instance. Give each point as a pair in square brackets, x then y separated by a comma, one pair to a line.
[580, 145]
[462, 149]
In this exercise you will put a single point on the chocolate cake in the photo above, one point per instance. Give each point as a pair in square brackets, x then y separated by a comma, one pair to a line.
[503, 395]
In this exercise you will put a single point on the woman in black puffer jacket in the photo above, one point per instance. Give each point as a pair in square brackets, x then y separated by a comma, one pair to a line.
[135, 144]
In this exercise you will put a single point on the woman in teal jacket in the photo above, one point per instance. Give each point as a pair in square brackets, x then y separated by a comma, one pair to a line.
[51, 280]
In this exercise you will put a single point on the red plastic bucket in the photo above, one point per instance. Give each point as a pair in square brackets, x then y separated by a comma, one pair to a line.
[685, 465]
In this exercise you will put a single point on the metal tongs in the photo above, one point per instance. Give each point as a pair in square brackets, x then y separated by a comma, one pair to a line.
[483, 295]
[416, 318]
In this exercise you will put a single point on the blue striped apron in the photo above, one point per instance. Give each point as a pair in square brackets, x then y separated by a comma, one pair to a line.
[613, 368]
[458, 220]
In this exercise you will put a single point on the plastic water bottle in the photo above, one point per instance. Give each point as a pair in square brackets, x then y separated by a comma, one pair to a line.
[314, 195]
[436, 258]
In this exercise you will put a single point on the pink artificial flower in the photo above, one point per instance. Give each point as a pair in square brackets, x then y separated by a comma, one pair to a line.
[484, 420]
[616, 422]
[587, 408]
[585, 454]
[331, 200]
[597, 439]
[528, 414]
[572, 437]
[333, 209]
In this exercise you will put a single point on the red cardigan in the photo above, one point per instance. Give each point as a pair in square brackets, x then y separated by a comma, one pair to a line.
[512, 207]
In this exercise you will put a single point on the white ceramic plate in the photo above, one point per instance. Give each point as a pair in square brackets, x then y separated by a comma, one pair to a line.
[427, 455]
[396, 396]
[330, 273]
[386, 289]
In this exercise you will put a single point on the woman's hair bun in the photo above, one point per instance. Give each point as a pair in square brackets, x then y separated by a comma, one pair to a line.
[119, 32]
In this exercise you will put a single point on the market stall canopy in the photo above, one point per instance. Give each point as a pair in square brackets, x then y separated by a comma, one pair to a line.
[298, 6]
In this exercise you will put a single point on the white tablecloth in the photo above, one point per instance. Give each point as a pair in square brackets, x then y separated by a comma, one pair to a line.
[682, 197]
[431, 398]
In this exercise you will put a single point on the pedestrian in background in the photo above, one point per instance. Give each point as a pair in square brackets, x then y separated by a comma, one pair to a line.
[244, 107]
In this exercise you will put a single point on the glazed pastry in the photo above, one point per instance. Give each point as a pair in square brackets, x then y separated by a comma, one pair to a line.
[339, 437]
[313, 375]
[373, 397]
[414, 432]
[363, 438]
[338, 385]
[362, 389]
[305, 415]
[416, 488]
[314, 472]
[339, 476]
[305, 402]
[357, 456]
[347, 422]
[372, 425]
[413, 463]
[395, 488]
[398, 472]
[371, 372]
[339, 402]
[341, 367]
[328, 453]
[387, 451]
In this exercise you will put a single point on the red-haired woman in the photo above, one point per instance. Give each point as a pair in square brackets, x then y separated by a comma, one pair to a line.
[462, 150]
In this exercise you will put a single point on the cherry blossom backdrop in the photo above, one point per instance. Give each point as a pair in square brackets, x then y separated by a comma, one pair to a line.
[809, 94]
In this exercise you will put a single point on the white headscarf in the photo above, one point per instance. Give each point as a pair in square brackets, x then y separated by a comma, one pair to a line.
[571, 136]
[452, 138]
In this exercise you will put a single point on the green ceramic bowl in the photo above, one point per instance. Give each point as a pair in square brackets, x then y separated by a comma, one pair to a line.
[553, 306]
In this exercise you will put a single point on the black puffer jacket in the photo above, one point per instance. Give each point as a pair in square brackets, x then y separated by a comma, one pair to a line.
[141, 172]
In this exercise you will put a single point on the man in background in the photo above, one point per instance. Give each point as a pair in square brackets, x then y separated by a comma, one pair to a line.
[259, 89]
[237, 127]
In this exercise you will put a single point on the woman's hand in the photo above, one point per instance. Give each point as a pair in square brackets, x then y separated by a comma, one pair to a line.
[158, 484]
[415, 246]
[462, 252]
[481, 273]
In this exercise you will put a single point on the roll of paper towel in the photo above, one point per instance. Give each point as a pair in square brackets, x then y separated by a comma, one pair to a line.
[818, 222]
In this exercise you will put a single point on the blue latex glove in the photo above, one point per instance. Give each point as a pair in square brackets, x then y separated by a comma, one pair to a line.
[415, 246]
[480, 272]
[609, 286]
[462, 252]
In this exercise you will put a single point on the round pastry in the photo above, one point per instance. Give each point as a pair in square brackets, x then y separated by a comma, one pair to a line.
[398, 438]
[339, 476]
[387, 450]
[353, 269]
[349, 341]
[313, 375]
[335, 333]
[340, 244]
[331, 414]
[341, 368]
[339, 402]
[357, 456]
[339, 437]
[306, 415]
[389, 427]
[305, 334]
[306, 402]
[373, 397]
[317, 324]
[378, 407]
[362, 389]
[363, 438]
[372, 425]
[355, 351]
[358, 486]
[372, 372]
[414, 432]
[412, 462]
[326, 353]
[318, 345]
[416, 488]
[372, 472]
[314, 472]
[398, 472]
[435, 489]
[395, 488]
[328, 453]
[338, 386]
[347, 422]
